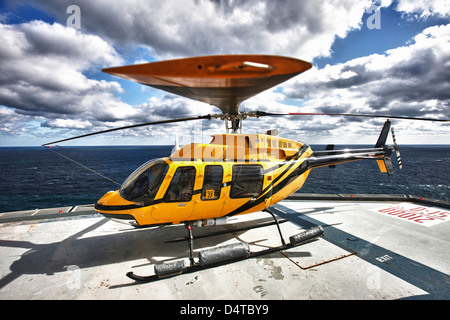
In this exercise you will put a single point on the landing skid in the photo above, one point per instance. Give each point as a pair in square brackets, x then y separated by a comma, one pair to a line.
[224, 254]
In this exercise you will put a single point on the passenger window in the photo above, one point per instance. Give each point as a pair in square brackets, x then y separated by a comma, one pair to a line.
[247, 181]
[182, 185]
[212, 183]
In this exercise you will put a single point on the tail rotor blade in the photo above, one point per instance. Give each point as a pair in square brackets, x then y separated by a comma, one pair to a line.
[397, 150]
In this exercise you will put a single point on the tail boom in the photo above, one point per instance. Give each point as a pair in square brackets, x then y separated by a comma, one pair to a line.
[380, 152]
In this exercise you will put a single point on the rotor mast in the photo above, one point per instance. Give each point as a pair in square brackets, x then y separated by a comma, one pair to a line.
[233, 122]
[236, 123]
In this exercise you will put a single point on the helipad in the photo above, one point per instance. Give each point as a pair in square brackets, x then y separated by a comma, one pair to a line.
[364, 253]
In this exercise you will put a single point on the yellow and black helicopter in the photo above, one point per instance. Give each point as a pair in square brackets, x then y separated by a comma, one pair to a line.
[236, 173]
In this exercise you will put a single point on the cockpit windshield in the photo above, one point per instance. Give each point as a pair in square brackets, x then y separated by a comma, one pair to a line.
[143, 184]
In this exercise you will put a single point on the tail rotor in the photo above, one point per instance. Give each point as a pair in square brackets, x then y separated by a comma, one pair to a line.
[397, 150]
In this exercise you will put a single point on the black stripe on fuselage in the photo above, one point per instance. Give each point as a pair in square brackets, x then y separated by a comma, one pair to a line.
[270, 190]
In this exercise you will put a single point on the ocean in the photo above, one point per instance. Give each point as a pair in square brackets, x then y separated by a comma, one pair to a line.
[36, 178]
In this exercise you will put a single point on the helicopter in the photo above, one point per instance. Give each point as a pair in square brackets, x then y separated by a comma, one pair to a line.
[236, 173]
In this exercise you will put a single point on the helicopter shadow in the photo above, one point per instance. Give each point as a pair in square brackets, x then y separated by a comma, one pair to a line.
[90, 248]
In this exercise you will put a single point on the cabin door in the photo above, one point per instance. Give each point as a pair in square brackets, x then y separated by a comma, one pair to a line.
[209, 203]
[178, 200]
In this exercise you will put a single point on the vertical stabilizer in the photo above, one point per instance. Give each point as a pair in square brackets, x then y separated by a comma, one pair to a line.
[383, 135]
[385, 164]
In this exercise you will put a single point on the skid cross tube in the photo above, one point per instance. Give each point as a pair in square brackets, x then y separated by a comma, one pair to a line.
[191, 243]
[278, 225]
[218, 233]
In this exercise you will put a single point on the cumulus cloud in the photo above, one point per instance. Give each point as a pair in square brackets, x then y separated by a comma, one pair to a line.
[42, 67]
[411, 80]
[424, 8]
[50, 72]
[45, 66]
[12, 123]
[168, 29]
[67, 123]
[44, 78]
[395, 82]
[43, 71]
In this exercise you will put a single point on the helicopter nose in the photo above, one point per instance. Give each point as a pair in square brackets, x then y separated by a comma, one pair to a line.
[111, 198]
[113, 203]
[113, 206]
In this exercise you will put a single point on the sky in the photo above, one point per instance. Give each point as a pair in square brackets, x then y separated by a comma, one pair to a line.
[378, 57]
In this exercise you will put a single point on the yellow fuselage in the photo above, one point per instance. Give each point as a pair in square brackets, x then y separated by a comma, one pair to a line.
[234, 174]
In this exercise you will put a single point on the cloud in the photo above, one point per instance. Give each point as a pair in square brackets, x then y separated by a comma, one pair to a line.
[47, 69]
[67, 123]
[12, 123]
[409, 80]
[42, 68]
[43, 75]
[424, 8]
[51, 72]
[44, 79]
[168, 29]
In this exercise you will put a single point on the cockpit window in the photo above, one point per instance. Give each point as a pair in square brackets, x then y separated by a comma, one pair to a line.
[143, 184]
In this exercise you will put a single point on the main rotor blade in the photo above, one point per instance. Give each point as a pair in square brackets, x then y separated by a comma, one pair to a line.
[262, 113]
[131, 126]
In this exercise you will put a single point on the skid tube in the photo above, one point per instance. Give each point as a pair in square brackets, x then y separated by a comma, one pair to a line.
[223, 255]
